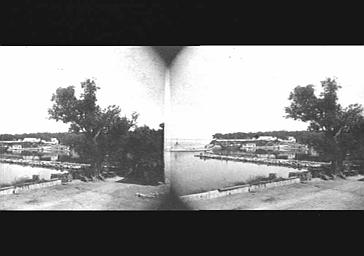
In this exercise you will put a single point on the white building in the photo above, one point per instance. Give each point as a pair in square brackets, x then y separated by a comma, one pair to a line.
[34, 140]
[15, 147]
[292, 139]
[249, 145]
[54, 141]
[269, 138]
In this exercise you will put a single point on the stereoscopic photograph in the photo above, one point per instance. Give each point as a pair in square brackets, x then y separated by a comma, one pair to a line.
[182, 128]
[82, 128]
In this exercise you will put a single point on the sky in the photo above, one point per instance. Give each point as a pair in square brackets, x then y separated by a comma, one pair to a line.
[130, 77]
[245, 88]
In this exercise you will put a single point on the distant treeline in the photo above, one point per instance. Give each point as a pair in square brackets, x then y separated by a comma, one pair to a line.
[311, 138]
[303, 137]
[64, 138]
[140, 150]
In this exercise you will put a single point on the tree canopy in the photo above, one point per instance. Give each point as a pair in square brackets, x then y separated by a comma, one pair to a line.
[102, 128]
[339, 125]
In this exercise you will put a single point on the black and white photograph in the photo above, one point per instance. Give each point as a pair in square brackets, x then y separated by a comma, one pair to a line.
[267, 127]
[222, 127]
[82, 128]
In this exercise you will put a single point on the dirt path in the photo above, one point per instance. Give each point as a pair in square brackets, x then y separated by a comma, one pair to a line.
[77, 195]
[317, 194]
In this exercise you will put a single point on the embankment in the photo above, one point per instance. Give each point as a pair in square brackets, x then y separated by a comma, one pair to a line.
[297, 164]
[27, 186]
[46, 164]
[240, 189]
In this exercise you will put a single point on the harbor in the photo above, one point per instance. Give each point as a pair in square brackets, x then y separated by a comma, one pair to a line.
[46, 164]
[191, 174]
[297, 164]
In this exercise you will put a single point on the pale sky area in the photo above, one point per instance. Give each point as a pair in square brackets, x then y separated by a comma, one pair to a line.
[130, 77]
[246, 88]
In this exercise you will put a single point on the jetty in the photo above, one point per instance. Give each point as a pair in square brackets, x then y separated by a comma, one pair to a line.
[46, 164]
[297, 164]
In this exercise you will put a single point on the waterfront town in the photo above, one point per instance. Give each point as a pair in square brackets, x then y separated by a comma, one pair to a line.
[276, 128]
[87, 136]
[33, 145]
[298, 146]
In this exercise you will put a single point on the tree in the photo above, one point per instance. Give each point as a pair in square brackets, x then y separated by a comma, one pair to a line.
[144, 148]
[325, 115]
[101, 128]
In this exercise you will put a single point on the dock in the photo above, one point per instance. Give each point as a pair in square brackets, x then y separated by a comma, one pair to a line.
[298, 164]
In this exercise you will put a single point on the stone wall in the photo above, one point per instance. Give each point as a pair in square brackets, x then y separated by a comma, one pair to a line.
[28, 186]
[239, 189]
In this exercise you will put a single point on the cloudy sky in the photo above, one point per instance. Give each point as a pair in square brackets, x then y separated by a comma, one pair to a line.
[131, 77]
[245, 88]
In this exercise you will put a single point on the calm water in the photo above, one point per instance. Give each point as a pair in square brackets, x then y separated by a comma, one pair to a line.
[191, 174]
[11, 173]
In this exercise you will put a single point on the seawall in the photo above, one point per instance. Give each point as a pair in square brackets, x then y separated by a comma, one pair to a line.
[298, 164]
[45, 164]
[27, 186]
[239, 189]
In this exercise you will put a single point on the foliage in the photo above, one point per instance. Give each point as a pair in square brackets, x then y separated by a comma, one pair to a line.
[301, 136]
[144, 151]
[64, 138]
[101, 129]
[338, 126]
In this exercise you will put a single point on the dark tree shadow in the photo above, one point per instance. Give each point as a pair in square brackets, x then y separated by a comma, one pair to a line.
[133, 180]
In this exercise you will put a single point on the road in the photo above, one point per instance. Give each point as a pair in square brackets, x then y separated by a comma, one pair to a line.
[317, 194]
[76, 195]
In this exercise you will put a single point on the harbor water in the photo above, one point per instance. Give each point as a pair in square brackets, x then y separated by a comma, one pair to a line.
[13, 173]
[190, 174]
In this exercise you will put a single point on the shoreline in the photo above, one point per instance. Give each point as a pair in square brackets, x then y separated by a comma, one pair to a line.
[296, 164]
[316, 194]
[45, 164]
[250, 187]
[111, 194]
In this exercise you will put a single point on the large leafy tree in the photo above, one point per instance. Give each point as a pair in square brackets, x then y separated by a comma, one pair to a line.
[339, 126]
[144, 151]
[102, 129]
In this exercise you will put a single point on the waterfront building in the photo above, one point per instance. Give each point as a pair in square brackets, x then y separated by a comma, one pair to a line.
[32, 140]
[248, 146]
[15, 147]
[54, 141]
[292, 139]
[268, 138]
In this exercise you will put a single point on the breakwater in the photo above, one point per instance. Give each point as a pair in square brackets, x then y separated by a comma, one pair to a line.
[240, 189]
[46, 164]
[27, 186]
[297, 164]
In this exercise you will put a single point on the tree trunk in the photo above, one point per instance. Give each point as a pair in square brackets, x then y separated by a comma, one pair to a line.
[96, 166]
[96, 169]
[337, 166]
[337, 163]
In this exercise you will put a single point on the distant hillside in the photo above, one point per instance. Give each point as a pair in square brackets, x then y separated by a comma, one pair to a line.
[304, 137]
[64, 138]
